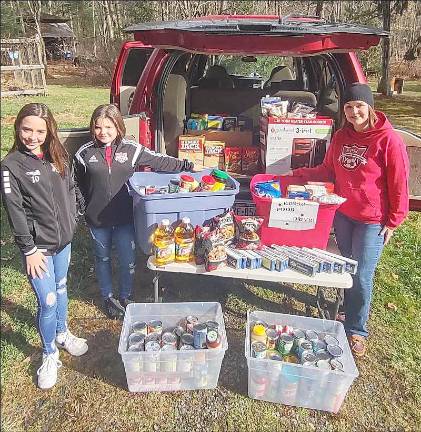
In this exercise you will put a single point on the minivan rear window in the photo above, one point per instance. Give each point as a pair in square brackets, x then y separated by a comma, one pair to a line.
[135, 63]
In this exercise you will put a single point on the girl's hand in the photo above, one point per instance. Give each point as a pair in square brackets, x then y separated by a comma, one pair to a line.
[36, 265]
[387, 233]
[198, 168]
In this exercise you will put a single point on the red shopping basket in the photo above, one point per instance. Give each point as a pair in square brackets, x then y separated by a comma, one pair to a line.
[315, 237]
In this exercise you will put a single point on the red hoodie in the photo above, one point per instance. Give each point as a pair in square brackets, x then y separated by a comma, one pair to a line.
[370, 169]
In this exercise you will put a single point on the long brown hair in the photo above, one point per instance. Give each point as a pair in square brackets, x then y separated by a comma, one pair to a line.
[372, 118]
[112, 113]
[53, 149]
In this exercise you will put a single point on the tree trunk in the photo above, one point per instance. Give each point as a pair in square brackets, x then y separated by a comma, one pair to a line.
[384, 84]
[35, 9]
[108, 19]
[319, 8]
[93, 26]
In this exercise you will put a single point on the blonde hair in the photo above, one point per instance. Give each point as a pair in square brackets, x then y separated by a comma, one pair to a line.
[112, 113]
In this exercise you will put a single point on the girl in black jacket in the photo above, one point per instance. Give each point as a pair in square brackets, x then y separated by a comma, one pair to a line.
[39, 197]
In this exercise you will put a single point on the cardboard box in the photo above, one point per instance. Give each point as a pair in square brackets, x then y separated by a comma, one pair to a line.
[190, 147]
[230, 138]
[214, 154]
[287, 143]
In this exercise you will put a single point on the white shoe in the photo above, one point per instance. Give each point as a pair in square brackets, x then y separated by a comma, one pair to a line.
[47, 373]
[73, 345]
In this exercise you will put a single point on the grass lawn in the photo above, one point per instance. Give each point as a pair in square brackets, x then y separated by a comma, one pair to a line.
[91, 394]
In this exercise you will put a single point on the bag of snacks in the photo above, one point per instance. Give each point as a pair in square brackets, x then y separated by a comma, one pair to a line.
[225, 223]
[233, 159]
[246, 232]
[215, 254]
[199, 250]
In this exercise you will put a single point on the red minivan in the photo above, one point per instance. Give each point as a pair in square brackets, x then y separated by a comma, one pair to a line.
[227, 63]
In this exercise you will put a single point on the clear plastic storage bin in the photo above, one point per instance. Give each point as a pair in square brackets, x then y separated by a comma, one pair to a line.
[294, 384]
[175, 370]
[149, 210]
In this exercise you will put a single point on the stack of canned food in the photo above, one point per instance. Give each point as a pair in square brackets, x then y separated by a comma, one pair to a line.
[188, 334]
[292, 345]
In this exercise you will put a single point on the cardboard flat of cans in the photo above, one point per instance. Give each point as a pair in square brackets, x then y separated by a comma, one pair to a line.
[287, 143]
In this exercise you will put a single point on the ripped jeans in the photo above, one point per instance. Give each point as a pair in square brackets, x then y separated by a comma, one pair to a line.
[123, 237]
[51, 294]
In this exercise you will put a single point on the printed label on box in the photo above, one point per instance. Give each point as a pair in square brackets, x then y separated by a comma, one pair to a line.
[293, 214]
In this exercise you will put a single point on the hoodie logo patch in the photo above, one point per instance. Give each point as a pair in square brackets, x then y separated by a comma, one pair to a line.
[121, 157]
[92, 159]
[352, 156]
[34, 175]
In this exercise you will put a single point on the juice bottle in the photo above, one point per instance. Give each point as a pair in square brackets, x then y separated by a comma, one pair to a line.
[184, 241]
[163, 241]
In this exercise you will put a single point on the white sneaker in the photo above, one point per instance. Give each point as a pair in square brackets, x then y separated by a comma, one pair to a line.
[47, 373]
[73, 345]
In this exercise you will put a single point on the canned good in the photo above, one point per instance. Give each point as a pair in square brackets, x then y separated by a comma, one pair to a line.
[155, 326]
[186, 339]
[299, 336]
[185, 361]
[191, 321]
[308, 358]
[186, 182]
[212, 325]
[136, 338]
[136, 347]
[150, 189]
[271, 339]
[140, 327]
[152, 337]
[335, 364]
[322, 355]
[287, 329]
[331, 340]
[169, 339]
[152, 346]
[334, 350]
[199, 336]
[323, 364]
[285, 343]
[304, 346]
[273, 355]
[213, 339]
[258, 384]
[258, 333]
[163, 190]
[187, 348]
[290, 358]
[258, 350]
[207, 183]
[174, 185]
[311, 335]
[179, 331]
[168, 359]
[318, 346]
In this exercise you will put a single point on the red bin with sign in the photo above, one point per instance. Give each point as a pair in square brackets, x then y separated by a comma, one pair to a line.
[315, 237]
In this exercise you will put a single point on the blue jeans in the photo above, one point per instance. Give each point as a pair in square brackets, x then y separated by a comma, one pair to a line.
[124, 240]
[51, 294]
[362, 242]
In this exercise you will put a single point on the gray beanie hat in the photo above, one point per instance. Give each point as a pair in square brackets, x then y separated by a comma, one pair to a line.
[359, 92]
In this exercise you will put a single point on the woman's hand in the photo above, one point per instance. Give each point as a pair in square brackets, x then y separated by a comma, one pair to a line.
[36, 265]
[288, 173]
[387, 233]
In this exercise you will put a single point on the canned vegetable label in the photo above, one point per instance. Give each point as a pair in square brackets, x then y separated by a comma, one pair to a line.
[331, 340]
[155, 326]
[187, 339]
[140, 327]
[258, 350]
[199, 336]
[334, 350]
[311, 335]
[191, 321]
[285, 343]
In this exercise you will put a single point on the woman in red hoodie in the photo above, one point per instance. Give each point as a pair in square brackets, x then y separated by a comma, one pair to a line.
[368, 163]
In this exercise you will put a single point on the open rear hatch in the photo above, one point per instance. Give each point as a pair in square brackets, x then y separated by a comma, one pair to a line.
[237, 34]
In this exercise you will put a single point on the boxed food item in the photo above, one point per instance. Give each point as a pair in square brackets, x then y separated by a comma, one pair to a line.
[233, 157]
[288, 143]
[250, 160]
[190, 147]
[213, 156]
[243, 138]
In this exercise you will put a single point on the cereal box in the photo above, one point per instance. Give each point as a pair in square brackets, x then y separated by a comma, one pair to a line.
[233, 159]
[250, 160]
[191, 148]
[214, 154]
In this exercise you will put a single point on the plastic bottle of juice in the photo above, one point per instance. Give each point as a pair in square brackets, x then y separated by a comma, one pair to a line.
[184, 241]
[163, 241]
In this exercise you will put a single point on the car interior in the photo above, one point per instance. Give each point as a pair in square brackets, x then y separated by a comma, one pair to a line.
[234, 85]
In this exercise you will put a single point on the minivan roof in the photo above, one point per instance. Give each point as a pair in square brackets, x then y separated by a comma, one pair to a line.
[261, 34]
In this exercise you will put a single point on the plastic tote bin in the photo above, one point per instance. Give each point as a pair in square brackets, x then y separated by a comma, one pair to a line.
[149, 210]
[317, 237]
[294, 384]
[175, 370]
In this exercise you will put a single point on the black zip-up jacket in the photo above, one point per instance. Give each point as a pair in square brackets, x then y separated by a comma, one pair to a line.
[106, 200]
[40, 204]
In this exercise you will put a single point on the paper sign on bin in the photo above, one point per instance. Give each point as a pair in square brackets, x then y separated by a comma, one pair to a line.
[292, 214]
